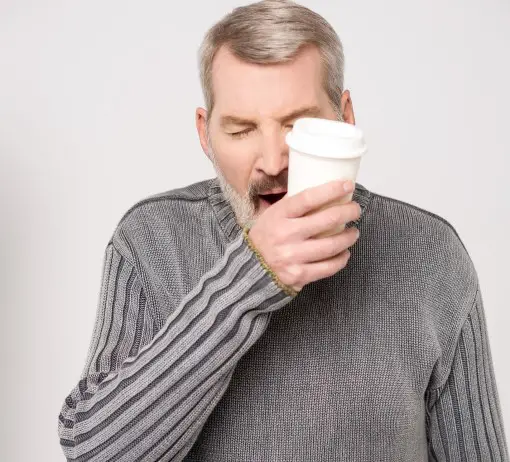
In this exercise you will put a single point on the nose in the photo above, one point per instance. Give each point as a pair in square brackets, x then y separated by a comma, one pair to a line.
[274, 154]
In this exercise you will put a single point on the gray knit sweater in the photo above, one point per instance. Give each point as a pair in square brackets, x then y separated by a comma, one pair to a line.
[197, 355]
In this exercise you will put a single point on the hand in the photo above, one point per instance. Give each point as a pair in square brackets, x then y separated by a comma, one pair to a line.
[287, 234]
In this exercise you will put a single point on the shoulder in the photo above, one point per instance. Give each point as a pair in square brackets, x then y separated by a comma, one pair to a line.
[425, 254]
[168, 200]
[155, 219]
[426, 251]
[414, 224]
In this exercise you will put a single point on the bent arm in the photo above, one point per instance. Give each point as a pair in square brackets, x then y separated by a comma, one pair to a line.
[147, 392]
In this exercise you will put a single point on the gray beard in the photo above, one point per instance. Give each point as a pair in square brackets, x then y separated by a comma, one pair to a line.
[242, 205]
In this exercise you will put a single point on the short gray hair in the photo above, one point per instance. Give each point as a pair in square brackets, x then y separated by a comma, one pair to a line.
[270, 32]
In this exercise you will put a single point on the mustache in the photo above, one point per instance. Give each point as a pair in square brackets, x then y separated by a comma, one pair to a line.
[255, 189]
[270, 182]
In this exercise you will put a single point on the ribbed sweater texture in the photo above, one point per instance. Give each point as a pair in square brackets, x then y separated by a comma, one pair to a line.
[197, 355]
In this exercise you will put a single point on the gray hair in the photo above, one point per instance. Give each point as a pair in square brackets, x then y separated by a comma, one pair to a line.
[270, 32]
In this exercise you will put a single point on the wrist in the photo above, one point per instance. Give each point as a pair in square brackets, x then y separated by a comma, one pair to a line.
[288, 290]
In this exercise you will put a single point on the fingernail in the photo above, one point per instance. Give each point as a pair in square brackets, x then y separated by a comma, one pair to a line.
[348, 186]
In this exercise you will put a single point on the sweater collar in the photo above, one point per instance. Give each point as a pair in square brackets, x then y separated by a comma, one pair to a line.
[227, 220]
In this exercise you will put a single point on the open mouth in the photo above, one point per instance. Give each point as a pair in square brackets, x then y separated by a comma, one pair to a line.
[272, 198]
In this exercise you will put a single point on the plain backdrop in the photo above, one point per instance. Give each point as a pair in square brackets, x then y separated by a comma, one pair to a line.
[97, 102]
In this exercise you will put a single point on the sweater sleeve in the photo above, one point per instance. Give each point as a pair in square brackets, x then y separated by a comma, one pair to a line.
[146, 392]
[464, 421]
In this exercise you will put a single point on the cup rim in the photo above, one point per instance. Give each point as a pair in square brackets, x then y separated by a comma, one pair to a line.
[326, 138]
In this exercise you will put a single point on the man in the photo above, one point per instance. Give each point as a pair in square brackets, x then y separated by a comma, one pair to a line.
[227, 331]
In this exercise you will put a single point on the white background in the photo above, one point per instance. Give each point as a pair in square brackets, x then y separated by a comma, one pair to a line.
[97, 103]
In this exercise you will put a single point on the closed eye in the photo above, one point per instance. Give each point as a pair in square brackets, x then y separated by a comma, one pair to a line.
[246, 131]
[241, 133]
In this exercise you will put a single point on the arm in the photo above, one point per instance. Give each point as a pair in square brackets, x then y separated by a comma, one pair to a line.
[146, 391]
[464, 421]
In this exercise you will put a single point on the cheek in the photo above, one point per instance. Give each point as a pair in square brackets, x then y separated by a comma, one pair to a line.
[236, 160]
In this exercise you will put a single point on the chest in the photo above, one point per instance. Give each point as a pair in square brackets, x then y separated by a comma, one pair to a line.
[332, 378]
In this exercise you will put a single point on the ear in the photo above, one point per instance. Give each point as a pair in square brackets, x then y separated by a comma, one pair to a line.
[347, 108]
[201, 124]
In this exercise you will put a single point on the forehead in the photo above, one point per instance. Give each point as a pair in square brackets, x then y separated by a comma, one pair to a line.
[249, 89]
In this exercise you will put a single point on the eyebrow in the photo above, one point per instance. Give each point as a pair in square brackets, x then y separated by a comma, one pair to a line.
[302, 112]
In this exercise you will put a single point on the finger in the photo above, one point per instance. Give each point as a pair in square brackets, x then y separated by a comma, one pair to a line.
[313, 250]
[313, 198]
[327, 219]
[325, 268]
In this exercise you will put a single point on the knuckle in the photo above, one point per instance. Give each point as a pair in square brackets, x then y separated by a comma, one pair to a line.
[307, 198]
[337, 245]
[341, 215]
[337, 188]
[293, 275]
[298, 272]
[332, 267]
[342, 243]
[286, 254]
[334, 216]
[350, 212]
[355, 208]
[354, 231]
[345, 258]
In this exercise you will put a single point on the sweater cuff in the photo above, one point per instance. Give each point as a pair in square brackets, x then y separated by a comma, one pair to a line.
[288, 290]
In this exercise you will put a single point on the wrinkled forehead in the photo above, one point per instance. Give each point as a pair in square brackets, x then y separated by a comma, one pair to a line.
[250, 90]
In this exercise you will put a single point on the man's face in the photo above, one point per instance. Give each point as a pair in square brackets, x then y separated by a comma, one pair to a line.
[255, 106]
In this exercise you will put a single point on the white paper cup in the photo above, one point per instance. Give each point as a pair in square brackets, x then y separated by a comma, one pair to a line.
[320, 151]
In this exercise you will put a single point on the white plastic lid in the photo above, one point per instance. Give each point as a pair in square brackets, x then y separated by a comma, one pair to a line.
[326, 138]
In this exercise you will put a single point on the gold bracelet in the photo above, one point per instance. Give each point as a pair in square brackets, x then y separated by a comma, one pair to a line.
[288, 290]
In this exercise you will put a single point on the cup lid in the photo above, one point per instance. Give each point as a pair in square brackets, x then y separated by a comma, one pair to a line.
[326, 138]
